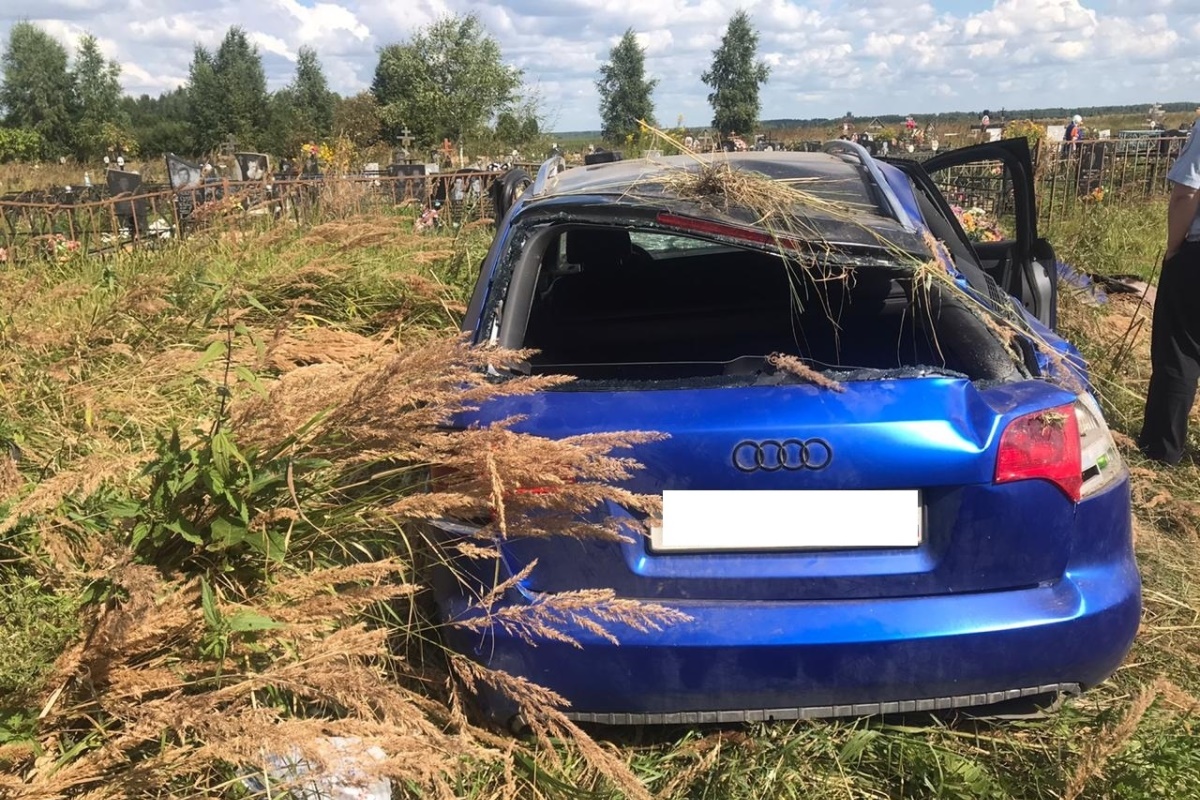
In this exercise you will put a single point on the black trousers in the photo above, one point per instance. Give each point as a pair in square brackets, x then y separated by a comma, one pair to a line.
[1174, 357]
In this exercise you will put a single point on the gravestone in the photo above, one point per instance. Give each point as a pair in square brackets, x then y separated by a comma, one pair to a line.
[1092, 156]
[186, 179]
[130, 209]
[403, 155]
[408, 182]
[602, 157]
[183, 174]
[251, 166]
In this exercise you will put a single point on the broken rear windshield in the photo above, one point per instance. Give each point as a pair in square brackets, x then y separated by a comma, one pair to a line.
[610, 304]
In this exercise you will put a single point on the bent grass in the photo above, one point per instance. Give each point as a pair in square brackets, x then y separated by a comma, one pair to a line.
[247, 554]
[313, 623]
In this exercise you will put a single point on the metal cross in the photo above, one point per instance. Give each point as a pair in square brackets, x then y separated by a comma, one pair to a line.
[405, 138]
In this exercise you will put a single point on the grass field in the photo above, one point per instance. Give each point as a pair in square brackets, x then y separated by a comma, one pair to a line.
[143, 657]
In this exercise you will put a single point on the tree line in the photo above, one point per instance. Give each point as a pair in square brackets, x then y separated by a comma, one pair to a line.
[734, 78]
[448, 81]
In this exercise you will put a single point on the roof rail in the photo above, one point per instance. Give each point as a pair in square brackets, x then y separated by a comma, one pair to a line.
[547, 174]
[847, 149]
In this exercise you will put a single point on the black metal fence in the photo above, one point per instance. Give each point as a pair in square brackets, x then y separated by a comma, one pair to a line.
[1069, 175]
[65, 222]
[69, 222]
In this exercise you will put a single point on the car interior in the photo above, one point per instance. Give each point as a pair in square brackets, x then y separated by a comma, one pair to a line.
[607, 307]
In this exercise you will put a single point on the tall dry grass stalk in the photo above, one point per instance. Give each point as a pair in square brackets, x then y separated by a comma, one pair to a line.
[1110, 741]
[187, 680]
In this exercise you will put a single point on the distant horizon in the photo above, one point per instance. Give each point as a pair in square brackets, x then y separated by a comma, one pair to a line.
[892, 56]
[1175, 107]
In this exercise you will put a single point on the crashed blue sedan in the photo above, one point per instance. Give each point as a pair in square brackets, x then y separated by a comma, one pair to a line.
[881, 492]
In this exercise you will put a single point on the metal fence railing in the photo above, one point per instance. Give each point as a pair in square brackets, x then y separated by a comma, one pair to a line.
[1068, 175]
[64, 223]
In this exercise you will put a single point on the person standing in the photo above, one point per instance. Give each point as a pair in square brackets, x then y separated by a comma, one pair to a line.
[1074, 131]
[1175, 335]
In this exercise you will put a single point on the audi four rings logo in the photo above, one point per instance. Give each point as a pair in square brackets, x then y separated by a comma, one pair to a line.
[791, 455]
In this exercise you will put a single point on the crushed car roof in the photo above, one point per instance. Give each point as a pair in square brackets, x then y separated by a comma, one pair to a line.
[858, 186]
[824, 175]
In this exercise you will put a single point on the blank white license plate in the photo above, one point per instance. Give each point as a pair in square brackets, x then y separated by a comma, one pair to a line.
[706, 521]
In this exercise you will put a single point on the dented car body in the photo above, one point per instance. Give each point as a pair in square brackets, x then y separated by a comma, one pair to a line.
[939, 519]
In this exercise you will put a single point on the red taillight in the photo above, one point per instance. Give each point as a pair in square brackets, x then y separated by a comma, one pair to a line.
[1043, 445]
[695, 225]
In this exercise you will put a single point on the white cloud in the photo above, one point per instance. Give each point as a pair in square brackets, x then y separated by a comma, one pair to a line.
[872, 56]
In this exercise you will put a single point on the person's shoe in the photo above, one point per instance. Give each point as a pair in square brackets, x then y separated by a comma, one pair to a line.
[1155, 454]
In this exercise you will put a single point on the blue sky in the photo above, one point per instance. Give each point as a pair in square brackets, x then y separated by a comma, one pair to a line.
[826, 56]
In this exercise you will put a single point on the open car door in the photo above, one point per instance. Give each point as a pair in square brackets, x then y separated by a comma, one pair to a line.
[996, 177]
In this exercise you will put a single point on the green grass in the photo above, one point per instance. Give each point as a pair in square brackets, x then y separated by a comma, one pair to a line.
[37, 625]
[97, 357]
[1113, 237]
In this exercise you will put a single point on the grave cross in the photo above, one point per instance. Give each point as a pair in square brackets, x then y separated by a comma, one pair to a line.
[229, 147]
[405, 139]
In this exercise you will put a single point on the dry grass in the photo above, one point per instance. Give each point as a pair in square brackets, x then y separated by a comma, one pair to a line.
[176, 689]
[358, 232]
[796, 367]
[1101, 749]
[161, 717]
[159, 697]
[169, 690]
[289, 350]
[11, 479]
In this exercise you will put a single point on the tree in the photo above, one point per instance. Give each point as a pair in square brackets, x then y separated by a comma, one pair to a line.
[520, 124]
[284, 133]
[37, 92]
[102, 122]
[239, 72]
[310, 93]
[161, 122]
[227, 93]
[735, 77]
[448, 80]
[357, 119]
[19, 144]
[204, 102]
[624, 90]
[303, 111]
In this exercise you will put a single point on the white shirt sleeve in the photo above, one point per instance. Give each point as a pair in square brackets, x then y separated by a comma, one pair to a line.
[1186, 169]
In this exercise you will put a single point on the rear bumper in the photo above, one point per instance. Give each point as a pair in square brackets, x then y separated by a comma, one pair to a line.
[745, 661]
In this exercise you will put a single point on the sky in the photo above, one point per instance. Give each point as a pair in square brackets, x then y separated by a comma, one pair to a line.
[826, 57]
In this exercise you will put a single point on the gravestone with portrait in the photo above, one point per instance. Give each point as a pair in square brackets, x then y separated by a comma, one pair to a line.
[251, 166]
[131, 207]
[186, 179]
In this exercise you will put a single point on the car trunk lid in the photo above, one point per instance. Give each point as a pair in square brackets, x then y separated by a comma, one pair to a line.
[925, 442]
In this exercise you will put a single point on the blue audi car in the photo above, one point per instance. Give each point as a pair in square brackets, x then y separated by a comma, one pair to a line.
[939, 519]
